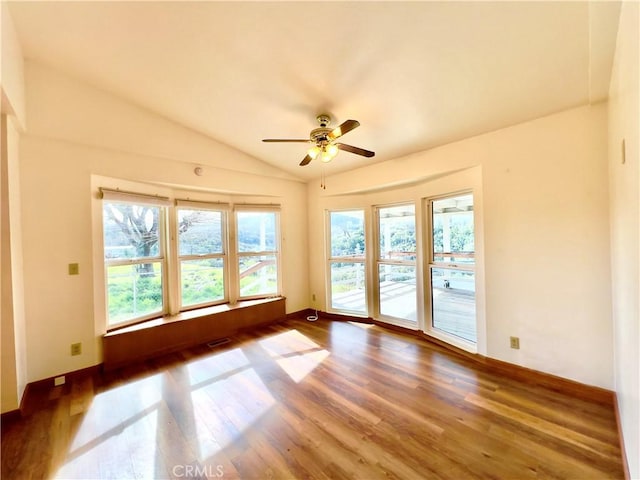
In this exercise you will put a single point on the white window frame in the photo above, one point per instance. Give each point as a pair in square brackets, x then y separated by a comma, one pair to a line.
[223, 209]
[168, 247]
[236, 255]
[130, 198]
[452, 339]
[379, 261]
[347, 259]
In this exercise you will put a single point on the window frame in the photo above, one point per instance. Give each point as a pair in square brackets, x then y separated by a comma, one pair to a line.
[238, 255]
[380, 261]
[126, 198]
[432, 264]
[169, 254]
[355, 259]
[224, 255]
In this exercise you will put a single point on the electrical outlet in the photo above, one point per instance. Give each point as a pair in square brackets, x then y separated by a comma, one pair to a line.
[313, 297]
[76, 348]
[515, 342]
[74, 269]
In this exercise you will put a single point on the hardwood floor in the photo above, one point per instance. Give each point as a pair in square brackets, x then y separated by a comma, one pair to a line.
[326, 400]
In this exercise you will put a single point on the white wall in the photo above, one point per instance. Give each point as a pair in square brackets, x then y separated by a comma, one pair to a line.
[79, 132]
[14, 371]
[546, 240]
[9, 393]
[14, 375]
[11, 68]
[624, 112]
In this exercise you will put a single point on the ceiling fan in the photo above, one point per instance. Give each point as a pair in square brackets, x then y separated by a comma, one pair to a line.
[324, 139]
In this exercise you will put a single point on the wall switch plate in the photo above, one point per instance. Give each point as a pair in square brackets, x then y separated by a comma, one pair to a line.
[515, 342]
[57, 381]
[74, 269]
[76, 348]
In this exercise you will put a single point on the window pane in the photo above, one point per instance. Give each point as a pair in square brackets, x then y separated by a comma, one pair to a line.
[397, 233]
[202, 281]
[453, 240]
[130, 231]
[347, 233]
[454, 302]
[134, 291]
[348, 287]
[398, 291]
[200, 232]
[256, 231]
[258, 275]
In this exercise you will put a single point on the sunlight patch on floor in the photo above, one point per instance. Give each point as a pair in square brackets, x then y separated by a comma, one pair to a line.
[299, 366]
[215, 367]
[220, 418]
[118, 432]
[296, 354]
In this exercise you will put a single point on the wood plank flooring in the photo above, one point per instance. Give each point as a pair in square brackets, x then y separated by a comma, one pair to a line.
[321, 400]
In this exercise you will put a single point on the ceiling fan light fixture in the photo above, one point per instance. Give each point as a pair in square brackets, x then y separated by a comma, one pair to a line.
[328, 152]
[332, 150]
[313, 152]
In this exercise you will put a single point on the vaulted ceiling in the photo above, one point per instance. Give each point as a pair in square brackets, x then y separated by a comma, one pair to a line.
[415, 74]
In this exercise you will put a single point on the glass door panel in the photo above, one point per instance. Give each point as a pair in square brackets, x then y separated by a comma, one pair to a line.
[453, 302]
[348, 291]
[452, 267]
[396, 264]
[397, 291]
[347, 275]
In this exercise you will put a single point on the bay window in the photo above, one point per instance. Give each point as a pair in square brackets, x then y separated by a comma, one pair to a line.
[162, 256]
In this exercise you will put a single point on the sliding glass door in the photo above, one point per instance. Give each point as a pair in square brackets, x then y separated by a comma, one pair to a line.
[347, 275]
[396, 264]
[452, 267]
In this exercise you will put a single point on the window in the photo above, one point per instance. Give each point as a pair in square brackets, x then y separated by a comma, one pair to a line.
[396, 262]
[452, 267]
[135, 262]
[202, 256]
[347, 261]
[258, 252]
[150, 273]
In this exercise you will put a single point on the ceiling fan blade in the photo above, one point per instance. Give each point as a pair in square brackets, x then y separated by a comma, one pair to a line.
[343, 128]
[305, 161]
[356, 150]
[288, 140]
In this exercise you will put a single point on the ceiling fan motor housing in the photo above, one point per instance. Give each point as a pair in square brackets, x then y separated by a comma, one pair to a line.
[323, 119]
[319, 135]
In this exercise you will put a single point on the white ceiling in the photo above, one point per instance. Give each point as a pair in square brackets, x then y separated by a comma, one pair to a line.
[415, 74]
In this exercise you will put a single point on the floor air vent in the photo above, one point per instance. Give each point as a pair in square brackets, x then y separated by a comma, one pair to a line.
[217, 343]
